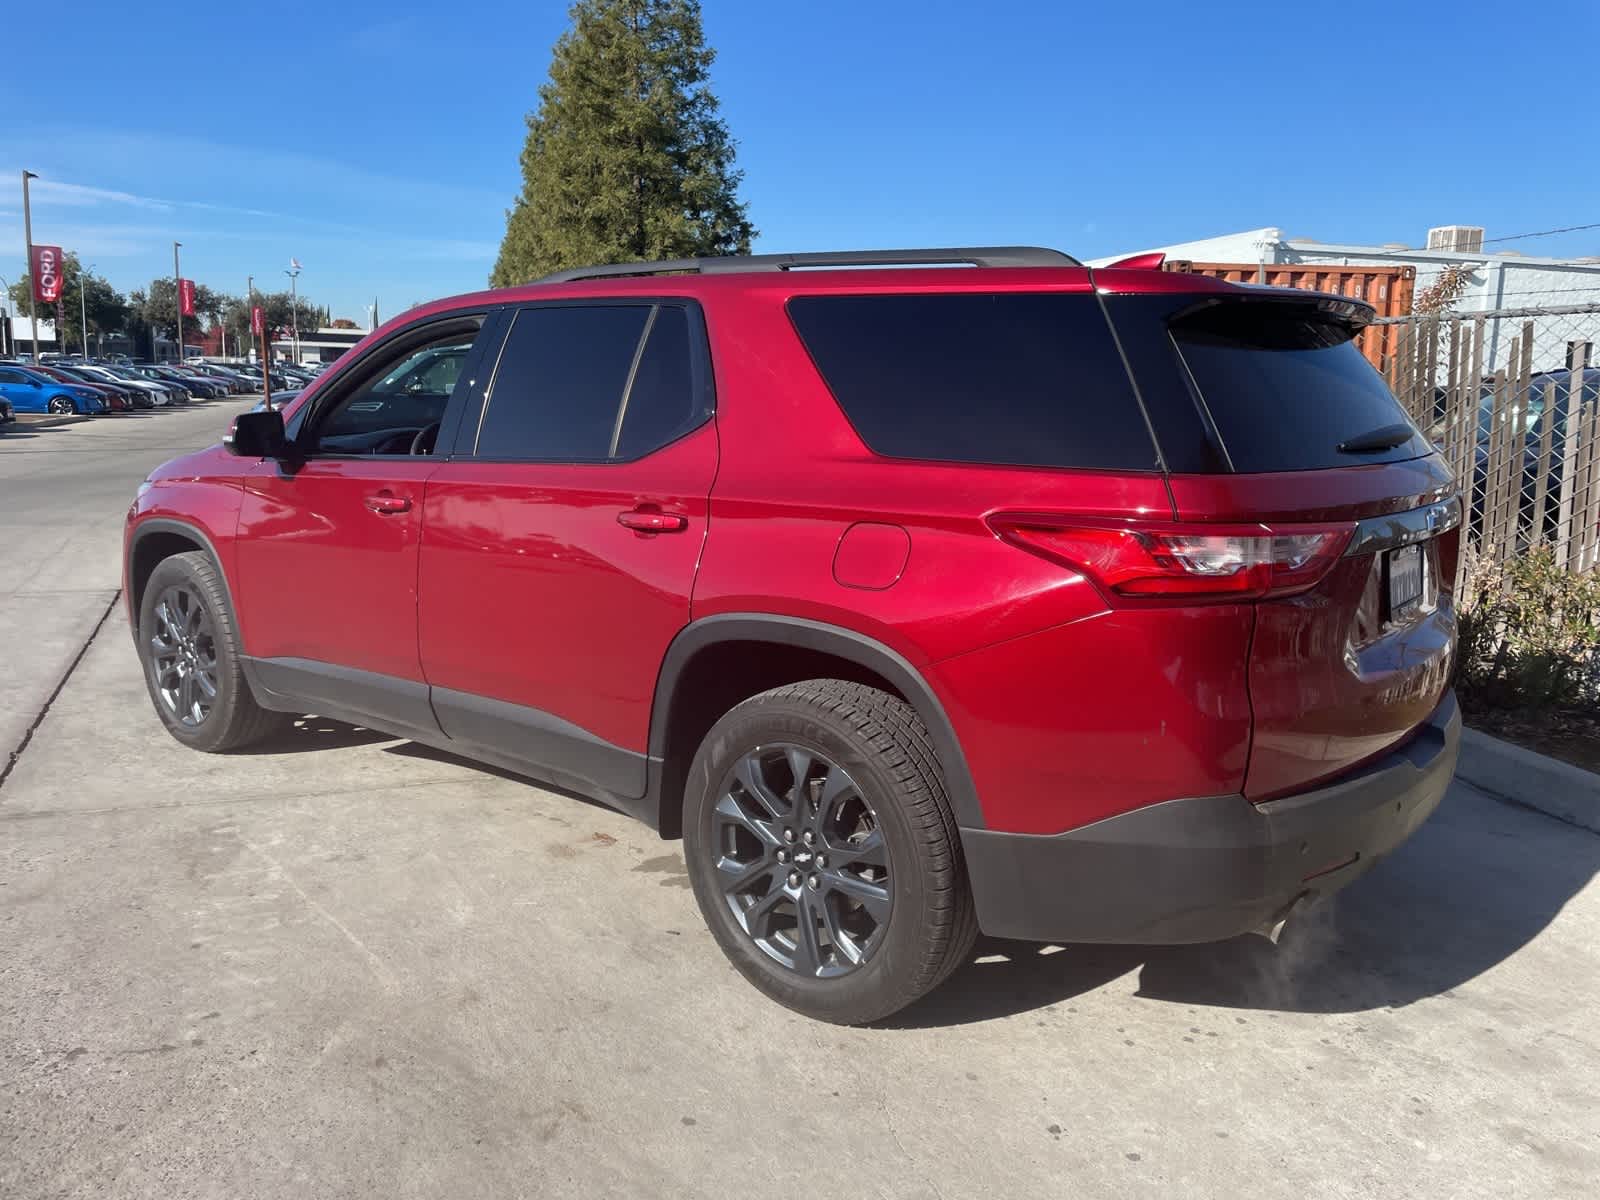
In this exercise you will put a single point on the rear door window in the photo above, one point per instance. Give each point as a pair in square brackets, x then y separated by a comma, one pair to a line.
[593, 383]
[1285, 385]
[1022, 379]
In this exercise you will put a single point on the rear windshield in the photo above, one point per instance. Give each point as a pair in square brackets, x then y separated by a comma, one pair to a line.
[1021, 379]
[1285, 385]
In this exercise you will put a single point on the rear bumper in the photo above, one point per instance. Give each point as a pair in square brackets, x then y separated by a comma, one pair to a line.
[1206, 869]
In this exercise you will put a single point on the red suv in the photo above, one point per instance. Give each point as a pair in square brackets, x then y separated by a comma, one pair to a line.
[1065, 604]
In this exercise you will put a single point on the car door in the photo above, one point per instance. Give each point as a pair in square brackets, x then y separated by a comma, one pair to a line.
[24, 392]
[326, 553]
[560, 540]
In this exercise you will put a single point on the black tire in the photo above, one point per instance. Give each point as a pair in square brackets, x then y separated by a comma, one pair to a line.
[62, 405]
[883, 746]
[233, 719]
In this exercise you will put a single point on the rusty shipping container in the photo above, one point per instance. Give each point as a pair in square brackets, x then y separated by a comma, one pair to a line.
[1390, 290]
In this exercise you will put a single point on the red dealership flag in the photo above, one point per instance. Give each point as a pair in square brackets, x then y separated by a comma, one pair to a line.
[186, 297]
[257, 323]
[46, 271]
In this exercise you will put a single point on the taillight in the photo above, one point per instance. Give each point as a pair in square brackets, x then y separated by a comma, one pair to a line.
[1170, 561]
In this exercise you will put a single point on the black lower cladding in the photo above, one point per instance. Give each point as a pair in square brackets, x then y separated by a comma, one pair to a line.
[513, 737]
[1207, 869]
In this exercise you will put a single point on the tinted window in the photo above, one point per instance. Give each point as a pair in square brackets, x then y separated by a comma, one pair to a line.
[559, 384]
[1028, 379]
[1286, 385]
[661, 402]
[12, 377]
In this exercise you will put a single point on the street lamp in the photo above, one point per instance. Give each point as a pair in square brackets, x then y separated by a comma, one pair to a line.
[294, 307]
[5, 319]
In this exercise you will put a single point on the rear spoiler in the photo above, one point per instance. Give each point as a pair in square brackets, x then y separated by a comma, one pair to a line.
[1138, 262]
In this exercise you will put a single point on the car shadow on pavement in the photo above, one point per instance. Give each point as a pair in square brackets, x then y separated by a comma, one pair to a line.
[308, 734]
[1477, 883]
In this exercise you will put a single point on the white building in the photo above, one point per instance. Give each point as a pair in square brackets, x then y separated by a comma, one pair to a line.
[16, 339]
[1496, 279]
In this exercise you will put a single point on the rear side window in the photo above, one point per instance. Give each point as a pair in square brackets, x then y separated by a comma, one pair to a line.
[1021, 379]
[591, 383]
[1285, 385]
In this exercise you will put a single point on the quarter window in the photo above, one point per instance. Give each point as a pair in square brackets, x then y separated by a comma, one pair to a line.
[1021, 379]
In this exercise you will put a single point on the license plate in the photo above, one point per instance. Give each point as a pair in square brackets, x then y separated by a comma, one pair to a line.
[1405, 580]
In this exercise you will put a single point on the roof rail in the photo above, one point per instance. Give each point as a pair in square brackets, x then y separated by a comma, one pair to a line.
[977, 256]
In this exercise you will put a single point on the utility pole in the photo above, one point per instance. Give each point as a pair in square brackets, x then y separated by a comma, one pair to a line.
[177, 297]
[250, 307]
[27, 227]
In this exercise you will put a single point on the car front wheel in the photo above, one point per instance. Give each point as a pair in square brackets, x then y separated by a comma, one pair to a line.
[63, 405]
[190, 648]
[823, 851]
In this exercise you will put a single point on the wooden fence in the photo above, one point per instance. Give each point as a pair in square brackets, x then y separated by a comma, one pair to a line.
[1512, 398]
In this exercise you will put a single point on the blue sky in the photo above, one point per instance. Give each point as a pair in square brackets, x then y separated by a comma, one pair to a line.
[378, 143]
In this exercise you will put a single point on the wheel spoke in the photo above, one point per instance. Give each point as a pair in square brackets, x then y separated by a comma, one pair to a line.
[835, 783]
[729, 809]
[846, 948]
[799, 795]
[807, 946]
[869, 851]
[186, 694]
[168, 624]
[873, 897]
[206, 685]
[748, 773]
[758, 917]
[737, 876]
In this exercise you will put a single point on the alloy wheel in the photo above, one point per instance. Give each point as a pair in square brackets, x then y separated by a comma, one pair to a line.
[183, 656]
[61, 404]
[801, 860]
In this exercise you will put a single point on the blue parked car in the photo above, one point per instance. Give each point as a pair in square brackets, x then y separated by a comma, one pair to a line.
[29, 391]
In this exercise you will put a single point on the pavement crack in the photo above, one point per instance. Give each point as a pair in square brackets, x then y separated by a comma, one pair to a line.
[44, 710]
[384, 975]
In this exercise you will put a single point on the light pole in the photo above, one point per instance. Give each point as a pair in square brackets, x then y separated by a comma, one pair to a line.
[83, 308]
[250, 310]
[5, 318]
[177, 297]
[294, 309]
[27, 227]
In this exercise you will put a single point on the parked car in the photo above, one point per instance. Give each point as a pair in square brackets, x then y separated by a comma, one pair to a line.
[154, 395]
[196, 387]
[235, 382]
[1067, 605]
[200, 383]
[117, 397]
[5, 411]
[29, 390]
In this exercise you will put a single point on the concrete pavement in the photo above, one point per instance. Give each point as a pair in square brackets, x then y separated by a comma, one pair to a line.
[63, 491]
[349, 966]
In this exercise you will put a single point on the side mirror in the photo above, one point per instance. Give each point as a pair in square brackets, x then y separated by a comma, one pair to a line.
[258, 435]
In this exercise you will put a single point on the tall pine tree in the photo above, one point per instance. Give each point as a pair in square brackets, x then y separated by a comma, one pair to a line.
[626, 158]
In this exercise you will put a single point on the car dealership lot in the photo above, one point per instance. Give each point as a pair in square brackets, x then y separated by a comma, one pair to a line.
[345, 965]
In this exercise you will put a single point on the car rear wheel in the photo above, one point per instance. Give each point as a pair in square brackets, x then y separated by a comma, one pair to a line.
[189, 645]
[823, 852]
[63, 405]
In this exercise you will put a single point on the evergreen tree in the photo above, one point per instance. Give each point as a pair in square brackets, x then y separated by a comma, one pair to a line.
[626, 157]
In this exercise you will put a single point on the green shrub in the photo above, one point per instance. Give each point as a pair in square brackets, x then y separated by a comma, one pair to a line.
[1529, 636]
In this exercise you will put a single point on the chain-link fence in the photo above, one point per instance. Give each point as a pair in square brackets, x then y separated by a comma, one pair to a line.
[1512, 397]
